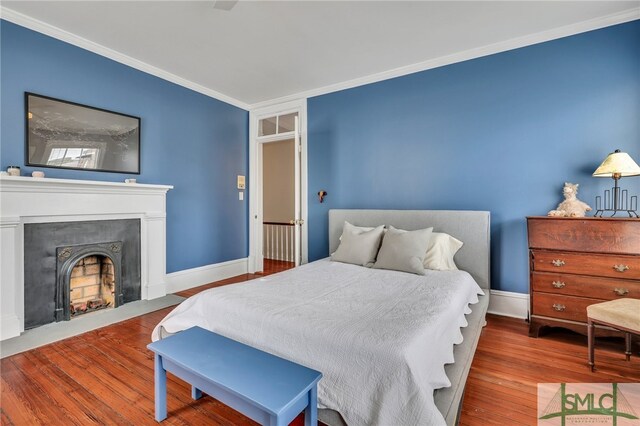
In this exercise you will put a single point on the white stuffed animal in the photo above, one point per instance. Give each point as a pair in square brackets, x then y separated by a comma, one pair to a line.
[571, 206]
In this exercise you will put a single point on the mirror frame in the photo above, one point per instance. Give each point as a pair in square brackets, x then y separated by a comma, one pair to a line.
[28, 162]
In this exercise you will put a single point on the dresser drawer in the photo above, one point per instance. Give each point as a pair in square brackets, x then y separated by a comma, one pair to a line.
[584, 286]
[576, 262]
[561, 306]
[613, 265]
[594, 235]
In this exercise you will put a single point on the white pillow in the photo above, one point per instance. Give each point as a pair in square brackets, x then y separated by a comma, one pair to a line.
[359, 229]
[442, 248]
[404, 250]
[357, 246]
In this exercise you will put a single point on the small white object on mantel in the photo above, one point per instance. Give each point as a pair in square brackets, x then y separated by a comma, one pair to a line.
[26, 200]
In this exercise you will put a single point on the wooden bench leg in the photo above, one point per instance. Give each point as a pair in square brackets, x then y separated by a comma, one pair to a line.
[311, 412]
[160, 377]
[627, 345]
[591, 342]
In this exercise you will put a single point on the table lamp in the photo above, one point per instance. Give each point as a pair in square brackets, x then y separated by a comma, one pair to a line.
[616, 165]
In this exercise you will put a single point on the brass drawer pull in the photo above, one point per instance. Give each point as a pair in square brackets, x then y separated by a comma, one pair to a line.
[558, 307]
[558, 284]
[559, 262]
[621, 291]
[620, 268]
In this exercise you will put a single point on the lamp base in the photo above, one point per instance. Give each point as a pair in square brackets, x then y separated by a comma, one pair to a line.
[616, 200]
[600, 213]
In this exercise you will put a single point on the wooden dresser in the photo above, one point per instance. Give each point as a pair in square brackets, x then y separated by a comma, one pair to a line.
[575, 262]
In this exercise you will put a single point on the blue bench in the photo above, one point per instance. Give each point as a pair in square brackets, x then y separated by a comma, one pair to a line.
[268, 389]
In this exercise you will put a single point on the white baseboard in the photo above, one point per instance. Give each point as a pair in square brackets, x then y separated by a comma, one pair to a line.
[189, 278]
[509, 304]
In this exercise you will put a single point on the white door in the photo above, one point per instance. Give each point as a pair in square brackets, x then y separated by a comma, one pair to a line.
[297, 220]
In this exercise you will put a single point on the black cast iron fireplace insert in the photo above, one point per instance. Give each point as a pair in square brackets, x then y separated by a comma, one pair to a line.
[68, 257]
[47, 263]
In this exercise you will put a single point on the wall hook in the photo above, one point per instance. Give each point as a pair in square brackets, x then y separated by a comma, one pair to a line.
[321, 195]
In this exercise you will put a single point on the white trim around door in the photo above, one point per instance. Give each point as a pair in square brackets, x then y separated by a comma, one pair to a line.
[255, 179]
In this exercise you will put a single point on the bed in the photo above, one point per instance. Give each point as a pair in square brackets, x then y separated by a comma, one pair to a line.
[379, 362]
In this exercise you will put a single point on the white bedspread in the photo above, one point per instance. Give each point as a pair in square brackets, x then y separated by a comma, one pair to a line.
[380, 338]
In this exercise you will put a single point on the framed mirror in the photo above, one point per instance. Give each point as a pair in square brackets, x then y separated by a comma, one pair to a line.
[68, 135]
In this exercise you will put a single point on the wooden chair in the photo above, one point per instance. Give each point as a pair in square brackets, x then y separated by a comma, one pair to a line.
[621, 314]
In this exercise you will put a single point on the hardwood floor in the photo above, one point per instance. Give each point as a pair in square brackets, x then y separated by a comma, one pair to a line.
[105, 376]
[508, 365]
[272, 266]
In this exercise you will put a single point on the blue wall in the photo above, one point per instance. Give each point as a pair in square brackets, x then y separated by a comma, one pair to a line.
[191, 141]
[499, 133]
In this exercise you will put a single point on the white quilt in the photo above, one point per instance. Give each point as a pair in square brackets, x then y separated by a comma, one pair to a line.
[380, 338]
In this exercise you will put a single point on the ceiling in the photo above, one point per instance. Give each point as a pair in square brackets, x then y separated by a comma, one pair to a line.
[263, 50]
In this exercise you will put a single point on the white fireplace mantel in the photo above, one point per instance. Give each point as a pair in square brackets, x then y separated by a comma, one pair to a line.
[37, 200]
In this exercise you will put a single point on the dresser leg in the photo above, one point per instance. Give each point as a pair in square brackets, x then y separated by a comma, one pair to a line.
[627, 345]
[591, 342]
[534, 328]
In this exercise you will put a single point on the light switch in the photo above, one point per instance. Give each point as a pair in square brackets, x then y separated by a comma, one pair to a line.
[241, 182]
[240, 195]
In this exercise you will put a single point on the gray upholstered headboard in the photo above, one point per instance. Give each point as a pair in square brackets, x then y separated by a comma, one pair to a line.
[470, 227]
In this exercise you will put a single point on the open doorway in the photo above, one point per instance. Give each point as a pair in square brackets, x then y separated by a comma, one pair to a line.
[277, 234]
[278, 205]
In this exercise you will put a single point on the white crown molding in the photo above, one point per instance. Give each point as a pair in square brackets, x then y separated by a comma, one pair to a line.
[60, 34]
[503, 46]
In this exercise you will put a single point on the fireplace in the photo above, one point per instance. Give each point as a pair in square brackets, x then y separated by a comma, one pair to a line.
[88, 279]
[28, 279]
[74, 268]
